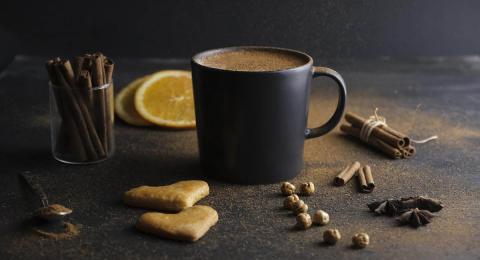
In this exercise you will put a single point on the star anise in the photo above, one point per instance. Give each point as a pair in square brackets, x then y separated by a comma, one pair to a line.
[420, 202]
[387, 207]
[394, 207]
[415, 217]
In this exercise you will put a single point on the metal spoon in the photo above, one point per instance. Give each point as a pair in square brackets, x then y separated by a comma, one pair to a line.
[48, 212]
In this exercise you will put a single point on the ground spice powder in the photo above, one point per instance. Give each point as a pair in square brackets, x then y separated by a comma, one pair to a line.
[69, 231]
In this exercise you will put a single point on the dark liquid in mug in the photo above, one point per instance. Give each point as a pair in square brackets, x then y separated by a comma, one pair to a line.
[253, 60]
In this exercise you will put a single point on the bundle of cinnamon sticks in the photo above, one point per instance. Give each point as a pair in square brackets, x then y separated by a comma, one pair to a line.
[83, 95]
[390, 141]
[363, 173]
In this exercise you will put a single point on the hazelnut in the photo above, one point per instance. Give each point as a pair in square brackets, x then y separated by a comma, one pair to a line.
[331, 236]
[307, 188]
[290, 201]
[300, 207]
[303, 221]
[361, 240]
[287, 188]
[321, 217]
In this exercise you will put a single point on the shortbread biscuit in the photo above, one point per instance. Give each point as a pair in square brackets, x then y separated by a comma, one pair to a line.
[174, 197]
[189, 224]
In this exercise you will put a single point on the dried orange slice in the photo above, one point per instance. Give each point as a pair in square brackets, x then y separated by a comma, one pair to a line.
[125, 104]
[166, 99]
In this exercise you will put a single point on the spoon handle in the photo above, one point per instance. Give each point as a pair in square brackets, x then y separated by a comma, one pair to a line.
[35, 186]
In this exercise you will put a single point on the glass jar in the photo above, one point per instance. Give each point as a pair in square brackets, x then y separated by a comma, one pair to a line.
[82, 123]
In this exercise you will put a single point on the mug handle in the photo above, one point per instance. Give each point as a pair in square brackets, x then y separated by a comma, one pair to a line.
[337, 116]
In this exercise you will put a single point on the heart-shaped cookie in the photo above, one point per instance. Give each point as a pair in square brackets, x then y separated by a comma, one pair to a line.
[189, 224]
[174, 197]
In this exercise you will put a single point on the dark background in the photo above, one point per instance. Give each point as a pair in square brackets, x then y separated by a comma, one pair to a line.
[179, 28]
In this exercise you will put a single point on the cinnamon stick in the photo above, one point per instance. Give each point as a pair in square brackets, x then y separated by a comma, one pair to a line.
[98, 70]
[109, 66]
[384, 147]
[87, 62]
[408, 152]
[85, 82]
[362, 182]
[67, 73]
[369, 177]
[98, 80]
[378, 132]
[398, 134]
[365, 179]
[344, 176]
[78, 67]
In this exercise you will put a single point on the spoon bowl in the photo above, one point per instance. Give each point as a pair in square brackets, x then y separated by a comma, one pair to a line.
[53, 212]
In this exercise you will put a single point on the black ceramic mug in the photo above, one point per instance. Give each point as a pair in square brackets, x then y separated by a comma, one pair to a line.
[251, 125]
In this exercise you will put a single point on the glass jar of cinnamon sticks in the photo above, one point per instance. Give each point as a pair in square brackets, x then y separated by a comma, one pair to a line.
[81, 108]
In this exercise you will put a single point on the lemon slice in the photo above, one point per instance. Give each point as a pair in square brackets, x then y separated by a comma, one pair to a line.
[166, 99]
[125, 104]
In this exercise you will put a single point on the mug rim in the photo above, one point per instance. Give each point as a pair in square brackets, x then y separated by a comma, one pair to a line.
[196, 57]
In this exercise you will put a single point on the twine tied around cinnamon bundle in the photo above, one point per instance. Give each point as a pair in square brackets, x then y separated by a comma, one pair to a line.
[375, 120]
[376, 132]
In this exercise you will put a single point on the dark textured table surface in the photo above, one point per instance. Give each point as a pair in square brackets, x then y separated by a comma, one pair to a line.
[421, 97]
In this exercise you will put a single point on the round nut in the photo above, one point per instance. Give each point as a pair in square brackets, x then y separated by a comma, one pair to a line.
[290, 201]
[304, 221]
[361, 240]
[300, 207]
[307, 188]
[331, 236]
[321, 217]
[287, 188]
